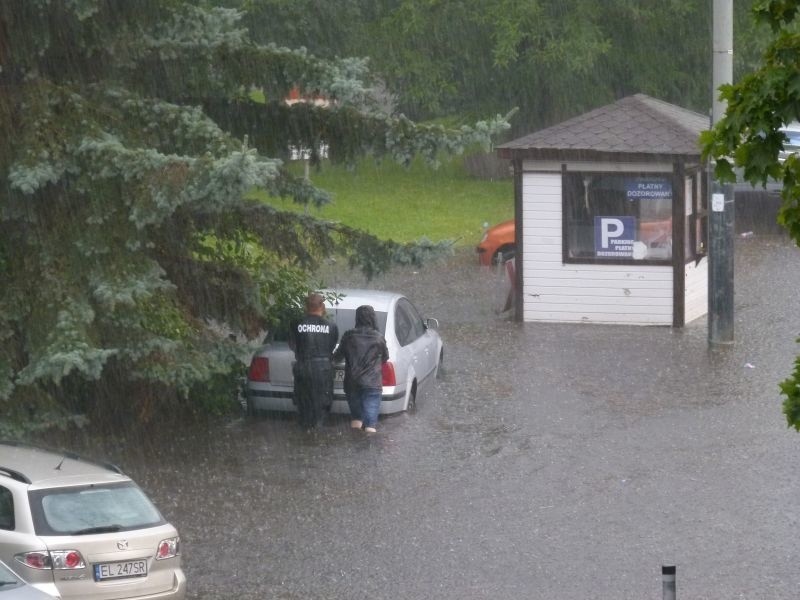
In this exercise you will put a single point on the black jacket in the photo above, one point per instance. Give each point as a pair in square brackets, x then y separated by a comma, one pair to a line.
[364, 351]
[312, 337]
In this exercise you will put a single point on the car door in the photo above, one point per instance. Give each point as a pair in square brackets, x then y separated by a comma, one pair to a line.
[411, 334]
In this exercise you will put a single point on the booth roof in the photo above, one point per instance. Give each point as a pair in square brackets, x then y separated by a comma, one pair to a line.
[637, 128]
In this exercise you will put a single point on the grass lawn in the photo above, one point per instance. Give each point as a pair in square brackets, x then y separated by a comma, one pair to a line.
[405, 205]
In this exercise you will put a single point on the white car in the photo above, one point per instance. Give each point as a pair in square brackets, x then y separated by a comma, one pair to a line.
[14, 588]
[415, 355]
[792, 146]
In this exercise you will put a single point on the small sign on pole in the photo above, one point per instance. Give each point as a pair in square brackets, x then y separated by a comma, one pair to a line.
[718, 202]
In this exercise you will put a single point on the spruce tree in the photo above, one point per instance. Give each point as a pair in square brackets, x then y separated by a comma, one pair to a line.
[133, 134]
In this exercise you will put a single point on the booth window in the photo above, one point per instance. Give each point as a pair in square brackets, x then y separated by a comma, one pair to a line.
[618, 217]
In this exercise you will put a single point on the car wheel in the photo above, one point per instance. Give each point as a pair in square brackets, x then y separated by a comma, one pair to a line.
[411, 405]
[440, 366]
[503, 254]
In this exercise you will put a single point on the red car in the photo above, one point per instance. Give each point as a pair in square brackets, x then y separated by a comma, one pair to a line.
[498, 244]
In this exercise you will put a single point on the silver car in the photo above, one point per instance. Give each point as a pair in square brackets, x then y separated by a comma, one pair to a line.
[74, 528]
[13, 588]
[415, 355]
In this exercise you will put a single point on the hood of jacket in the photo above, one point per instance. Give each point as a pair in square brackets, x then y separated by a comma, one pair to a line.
[365, 317]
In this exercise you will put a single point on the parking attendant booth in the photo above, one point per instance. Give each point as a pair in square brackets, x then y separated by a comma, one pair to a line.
[611, 218]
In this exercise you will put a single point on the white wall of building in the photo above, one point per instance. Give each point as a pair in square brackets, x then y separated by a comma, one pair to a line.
[696, 304]
[573, 293]
[696, 290]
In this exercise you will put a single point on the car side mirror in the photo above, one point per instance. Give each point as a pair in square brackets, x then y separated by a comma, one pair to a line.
[431, 324]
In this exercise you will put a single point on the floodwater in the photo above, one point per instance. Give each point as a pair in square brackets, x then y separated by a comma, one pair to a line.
[551, 461]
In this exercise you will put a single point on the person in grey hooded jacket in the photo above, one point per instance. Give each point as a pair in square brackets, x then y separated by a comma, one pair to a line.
[364, 351]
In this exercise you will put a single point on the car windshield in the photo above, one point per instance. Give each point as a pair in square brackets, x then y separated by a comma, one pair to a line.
[92, 509]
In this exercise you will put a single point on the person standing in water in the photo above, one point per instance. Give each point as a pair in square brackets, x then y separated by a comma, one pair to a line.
[364, 351]
[313, 339]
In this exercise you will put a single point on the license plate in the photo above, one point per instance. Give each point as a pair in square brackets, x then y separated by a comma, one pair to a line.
[339, 375]
[129, 568]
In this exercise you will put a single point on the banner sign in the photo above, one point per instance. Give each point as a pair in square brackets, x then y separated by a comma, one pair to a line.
[648, 189]
[614, 237]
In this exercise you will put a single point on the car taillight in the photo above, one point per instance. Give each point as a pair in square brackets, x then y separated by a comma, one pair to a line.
[55, 559]
[387, 373]
[259, 369]
[67, 559]
[168, 548]
[35, 560]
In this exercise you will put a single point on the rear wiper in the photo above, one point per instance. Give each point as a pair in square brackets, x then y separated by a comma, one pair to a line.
[100, 529]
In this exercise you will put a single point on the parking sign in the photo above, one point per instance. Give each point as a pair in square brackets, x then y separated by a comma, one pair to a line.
[614, 237]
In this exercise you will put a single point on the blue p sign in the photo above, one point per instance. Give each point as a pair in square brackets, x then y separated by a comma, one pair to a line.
[610, 228]
[614, 237]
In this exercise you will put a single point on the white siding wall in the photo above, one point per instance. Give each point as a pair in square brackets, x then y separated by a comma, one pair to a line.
[570, 293]
[696, 290]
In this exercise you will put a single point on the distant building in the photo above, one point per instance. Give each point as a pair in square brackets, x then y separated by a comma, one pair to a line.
[294, 97]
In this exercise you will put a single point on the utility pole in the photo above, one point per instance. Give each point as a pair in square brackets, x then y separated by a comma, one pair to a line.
[721, 217]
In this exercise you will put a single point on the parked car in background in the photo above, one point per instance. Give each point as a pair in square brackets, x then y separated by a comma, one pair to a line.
[416, 352]
[77, 529]
[792, 132]
[498, 244]
[14, 588]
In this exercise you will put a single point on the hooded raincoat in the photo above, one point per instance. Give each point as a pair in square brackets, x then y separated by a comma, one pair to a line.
[364, 351]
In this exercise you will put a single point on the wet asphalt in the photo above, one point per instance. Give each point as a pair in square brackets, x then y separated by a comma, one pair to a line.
[550, 461]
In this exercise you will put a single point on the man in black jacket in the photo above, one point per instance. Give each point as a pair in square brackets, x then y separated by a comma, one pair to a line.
[313, 339]
[364, 350]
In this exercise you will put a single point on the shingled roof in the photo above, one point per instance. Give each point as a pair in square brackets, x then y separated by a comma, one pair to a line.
[634, 128]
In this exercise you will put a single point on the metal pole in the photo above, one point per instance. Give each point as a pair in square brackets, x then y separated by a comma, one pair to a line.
[721, 217]
[668, 582]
